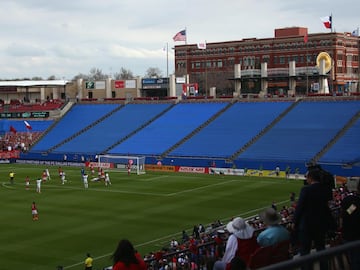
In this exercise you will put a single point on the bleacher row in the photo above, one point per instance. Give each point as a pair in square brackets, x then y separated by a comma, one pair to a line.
[280, 132]
[18, 106]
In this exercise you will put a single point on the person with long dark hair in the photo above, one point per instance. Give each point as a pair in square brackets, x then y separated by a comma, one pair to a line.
[126, 257]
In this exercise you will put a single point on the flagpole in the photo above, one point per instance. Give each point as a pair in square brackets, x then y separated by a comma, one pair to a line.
[331, 22]
[186, 36]
[206, 74]
[186, 56]
[167, 59]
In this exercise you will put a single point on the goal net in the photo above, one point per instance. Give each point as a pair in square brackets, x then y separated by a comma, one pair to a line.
[122, 163]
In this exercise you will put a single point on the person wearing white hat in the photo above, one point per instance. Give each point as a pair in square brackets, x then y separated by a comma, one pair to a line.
[241, 243]
[275, 232]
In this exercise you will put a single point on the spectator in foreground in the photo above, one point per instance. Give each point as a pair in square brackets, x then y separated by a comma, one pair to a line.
[312, 217]
[126, 257]
[275, 232]
[350, 215]
[241, 243]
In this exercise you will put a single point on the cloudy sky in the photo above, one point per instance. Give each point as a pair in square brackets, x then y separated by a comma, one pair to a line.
[64, 38]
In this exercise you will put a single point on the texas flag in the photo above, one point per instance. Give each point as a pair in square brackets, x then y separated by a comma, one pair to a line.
[327, 21]
[28, 126]
[201, 45]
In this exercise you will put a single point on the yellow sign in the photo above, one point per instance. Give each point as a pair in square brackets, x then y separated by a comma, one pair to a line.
[159, 168]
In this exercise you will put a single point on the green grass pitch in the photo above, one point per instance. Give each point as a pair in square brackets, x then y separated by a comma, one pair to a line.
[148, 209]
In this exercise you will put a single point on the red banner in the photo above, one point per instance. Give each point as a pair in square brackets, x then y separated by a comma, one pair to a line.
[9, 154]
[119, 84]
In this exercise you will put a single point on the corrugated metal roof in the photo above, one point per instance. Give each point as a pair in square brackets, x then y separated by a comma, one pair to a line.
[29, 83]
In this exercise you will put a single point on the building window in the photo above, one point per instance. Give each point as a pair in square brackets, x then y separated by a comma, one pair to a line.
[266, 58]
[281, 60]
[246, 62]
[231, 61]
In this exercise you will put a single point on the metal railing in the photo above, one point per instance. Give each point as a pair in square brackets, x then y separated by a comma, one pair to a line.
[336, 257]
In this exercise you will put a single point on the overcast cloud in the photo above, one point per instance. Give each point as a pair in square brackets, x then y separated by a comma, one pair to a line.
[64, 38]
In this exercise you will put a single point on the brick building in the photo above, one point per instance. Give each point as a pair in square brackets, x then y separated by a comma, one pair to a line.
[286, 62]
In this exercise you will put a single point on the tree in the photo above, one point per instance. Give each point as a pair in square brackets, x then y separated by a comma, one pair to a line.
[94, 75]
[153, 72]
[97, 74]
[52, 77]
[80, 76]
[124, 74]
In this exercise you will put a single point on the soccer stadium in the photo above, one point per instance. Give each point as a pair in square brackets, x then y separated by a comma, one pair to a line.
[174, 165]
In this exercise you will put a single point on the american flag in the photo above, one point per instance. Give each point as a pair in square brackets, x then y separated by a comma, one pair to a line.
[181, 36]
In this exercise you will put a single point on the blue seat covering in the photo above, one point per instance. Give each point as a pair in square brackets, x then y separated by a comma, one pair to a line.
[79, 117]
[303, 132]
[346, 149]
[113, 128]
[168, 129]
[231, 130]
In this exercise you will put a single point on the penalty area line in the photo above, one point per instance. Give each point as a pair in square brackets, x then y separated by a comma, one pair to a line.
[7, 185]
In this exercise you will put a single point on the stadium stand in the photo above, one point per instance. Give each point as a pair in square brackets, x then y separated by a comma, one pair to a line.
[16, 135]
[79, 117]
[232, 133]
[113, 128]
[302, 133]
[343, 150]
[18, 106]
[168, 129]
[231, 130]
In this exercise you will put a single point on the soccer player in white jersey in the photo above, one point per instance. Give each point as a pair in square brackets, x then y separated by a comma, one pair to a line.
[38, 185]
[63, 176]
[85, 180]
[107, 180]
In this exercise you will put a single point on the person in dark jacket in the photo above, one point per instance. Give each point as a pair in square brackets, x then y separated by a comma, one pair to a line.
[350, 216]
[312, 218]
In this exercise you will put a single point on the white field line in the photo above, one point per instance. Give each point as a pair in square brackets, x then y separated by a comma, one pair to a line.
[198, 188]
[153, 178]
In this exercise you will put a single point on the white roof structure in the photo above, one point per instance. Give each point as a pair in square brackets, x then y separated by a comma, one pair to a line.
[30, 83]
